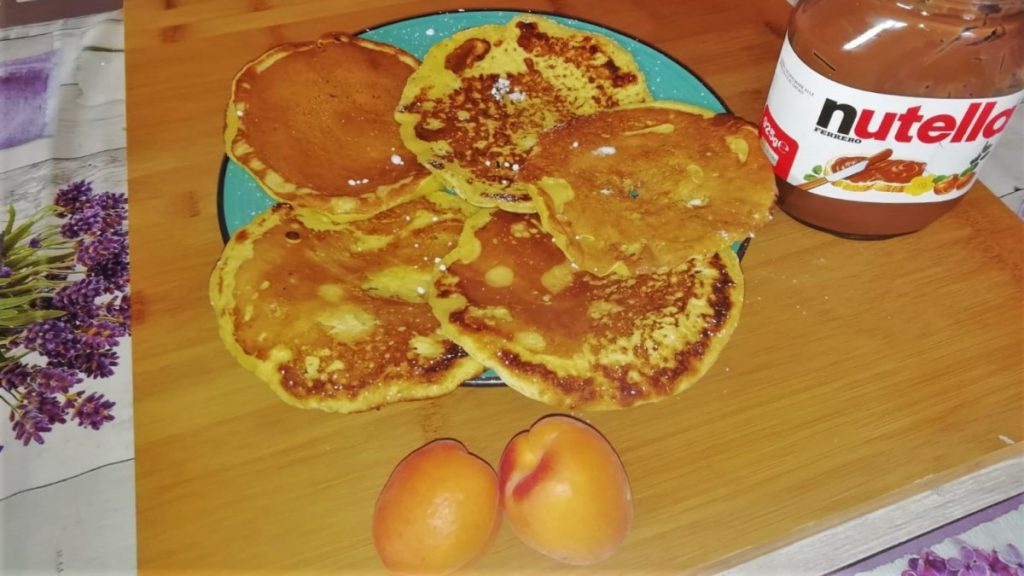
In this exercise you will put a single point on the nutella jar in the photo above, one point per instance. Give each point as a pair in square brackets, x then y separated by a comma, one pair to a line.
[882, 111]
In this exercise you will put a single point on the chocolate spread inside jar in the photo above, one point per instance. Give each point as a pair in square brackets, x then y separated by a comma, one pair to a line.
[882, 111]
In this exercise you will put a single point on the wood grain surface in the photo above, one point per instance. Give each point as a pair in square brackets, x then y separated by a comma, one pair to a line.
[861, 372]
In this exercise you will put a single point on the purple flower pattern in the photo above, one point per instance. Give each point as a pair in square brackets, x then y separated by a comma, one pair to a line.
[72, 279]
[971, 561]
[93, 411]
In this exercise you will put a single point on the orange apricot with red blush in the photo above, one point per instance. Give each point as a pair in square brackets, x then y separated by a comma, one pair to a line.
[564, 491]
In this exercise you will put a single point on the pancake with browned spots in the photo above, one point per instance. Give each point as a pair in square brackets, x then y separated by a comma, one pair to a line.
[314, 123]
[333, 315]
[476, 105]
[648, 186]
[574, 339]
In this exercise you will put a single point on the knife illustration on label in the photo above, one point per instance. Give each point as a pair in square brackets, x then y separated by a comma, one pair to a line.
[848, 171]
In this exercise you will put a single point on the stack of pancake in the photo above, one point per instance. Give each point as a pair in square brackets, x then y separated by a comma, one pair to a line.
[516, 202]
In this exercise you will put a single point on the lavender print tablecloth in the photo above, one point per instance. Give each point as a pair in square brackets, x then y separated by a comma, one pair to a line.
[66, 506]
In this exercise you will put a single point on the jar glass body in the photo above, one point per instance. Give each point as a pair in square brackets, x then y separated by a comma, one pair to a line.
[929, 49]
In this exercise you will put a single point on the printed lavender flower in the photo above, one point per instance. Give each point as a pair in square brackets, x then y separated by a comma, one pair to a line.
[52, 380]
[72, 196]
[95, 215]
[98, 334]
[119, 311]
[106, 258]
[93, 411]
[82, 223]
[14, 377]
[45, 405]
[115, 212]
[51, 338]
[94, 363]
[29, 426]
[101, 248]
[114, 273]
[78, 300]
[65, 286]
[113, 202]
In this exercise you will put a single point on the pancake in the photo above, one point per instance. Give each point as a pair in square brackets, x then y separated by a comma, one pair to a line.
[313, 122]
[332, 315]
[476, 105]
[645, 187]
[574, 339]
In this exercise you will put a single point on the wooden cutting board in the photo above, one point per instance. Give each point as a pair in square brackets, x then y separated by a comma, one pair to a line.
[861, 372]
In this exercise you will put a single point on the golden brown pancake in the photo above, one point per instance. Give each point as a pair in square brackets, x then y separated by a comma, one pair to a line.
[648, 186]
[333, 315]
[314, 123]
[574, 339]
[476, 105]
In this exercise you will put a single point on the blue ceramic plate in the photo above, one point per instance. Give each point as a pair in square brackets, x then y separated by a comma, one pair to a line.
[240, 197]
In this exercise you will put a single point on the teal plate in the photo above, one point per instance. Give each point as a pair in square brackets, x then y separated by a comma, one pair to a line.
[240, 197]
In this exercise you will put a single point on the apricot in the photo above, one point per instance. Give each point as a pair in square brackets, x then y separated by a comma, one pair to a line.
[565, 492]
[438, 512]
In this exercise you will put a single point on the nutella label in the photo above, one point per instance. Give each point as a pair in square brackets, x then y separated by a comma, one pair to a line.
[840, 142]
